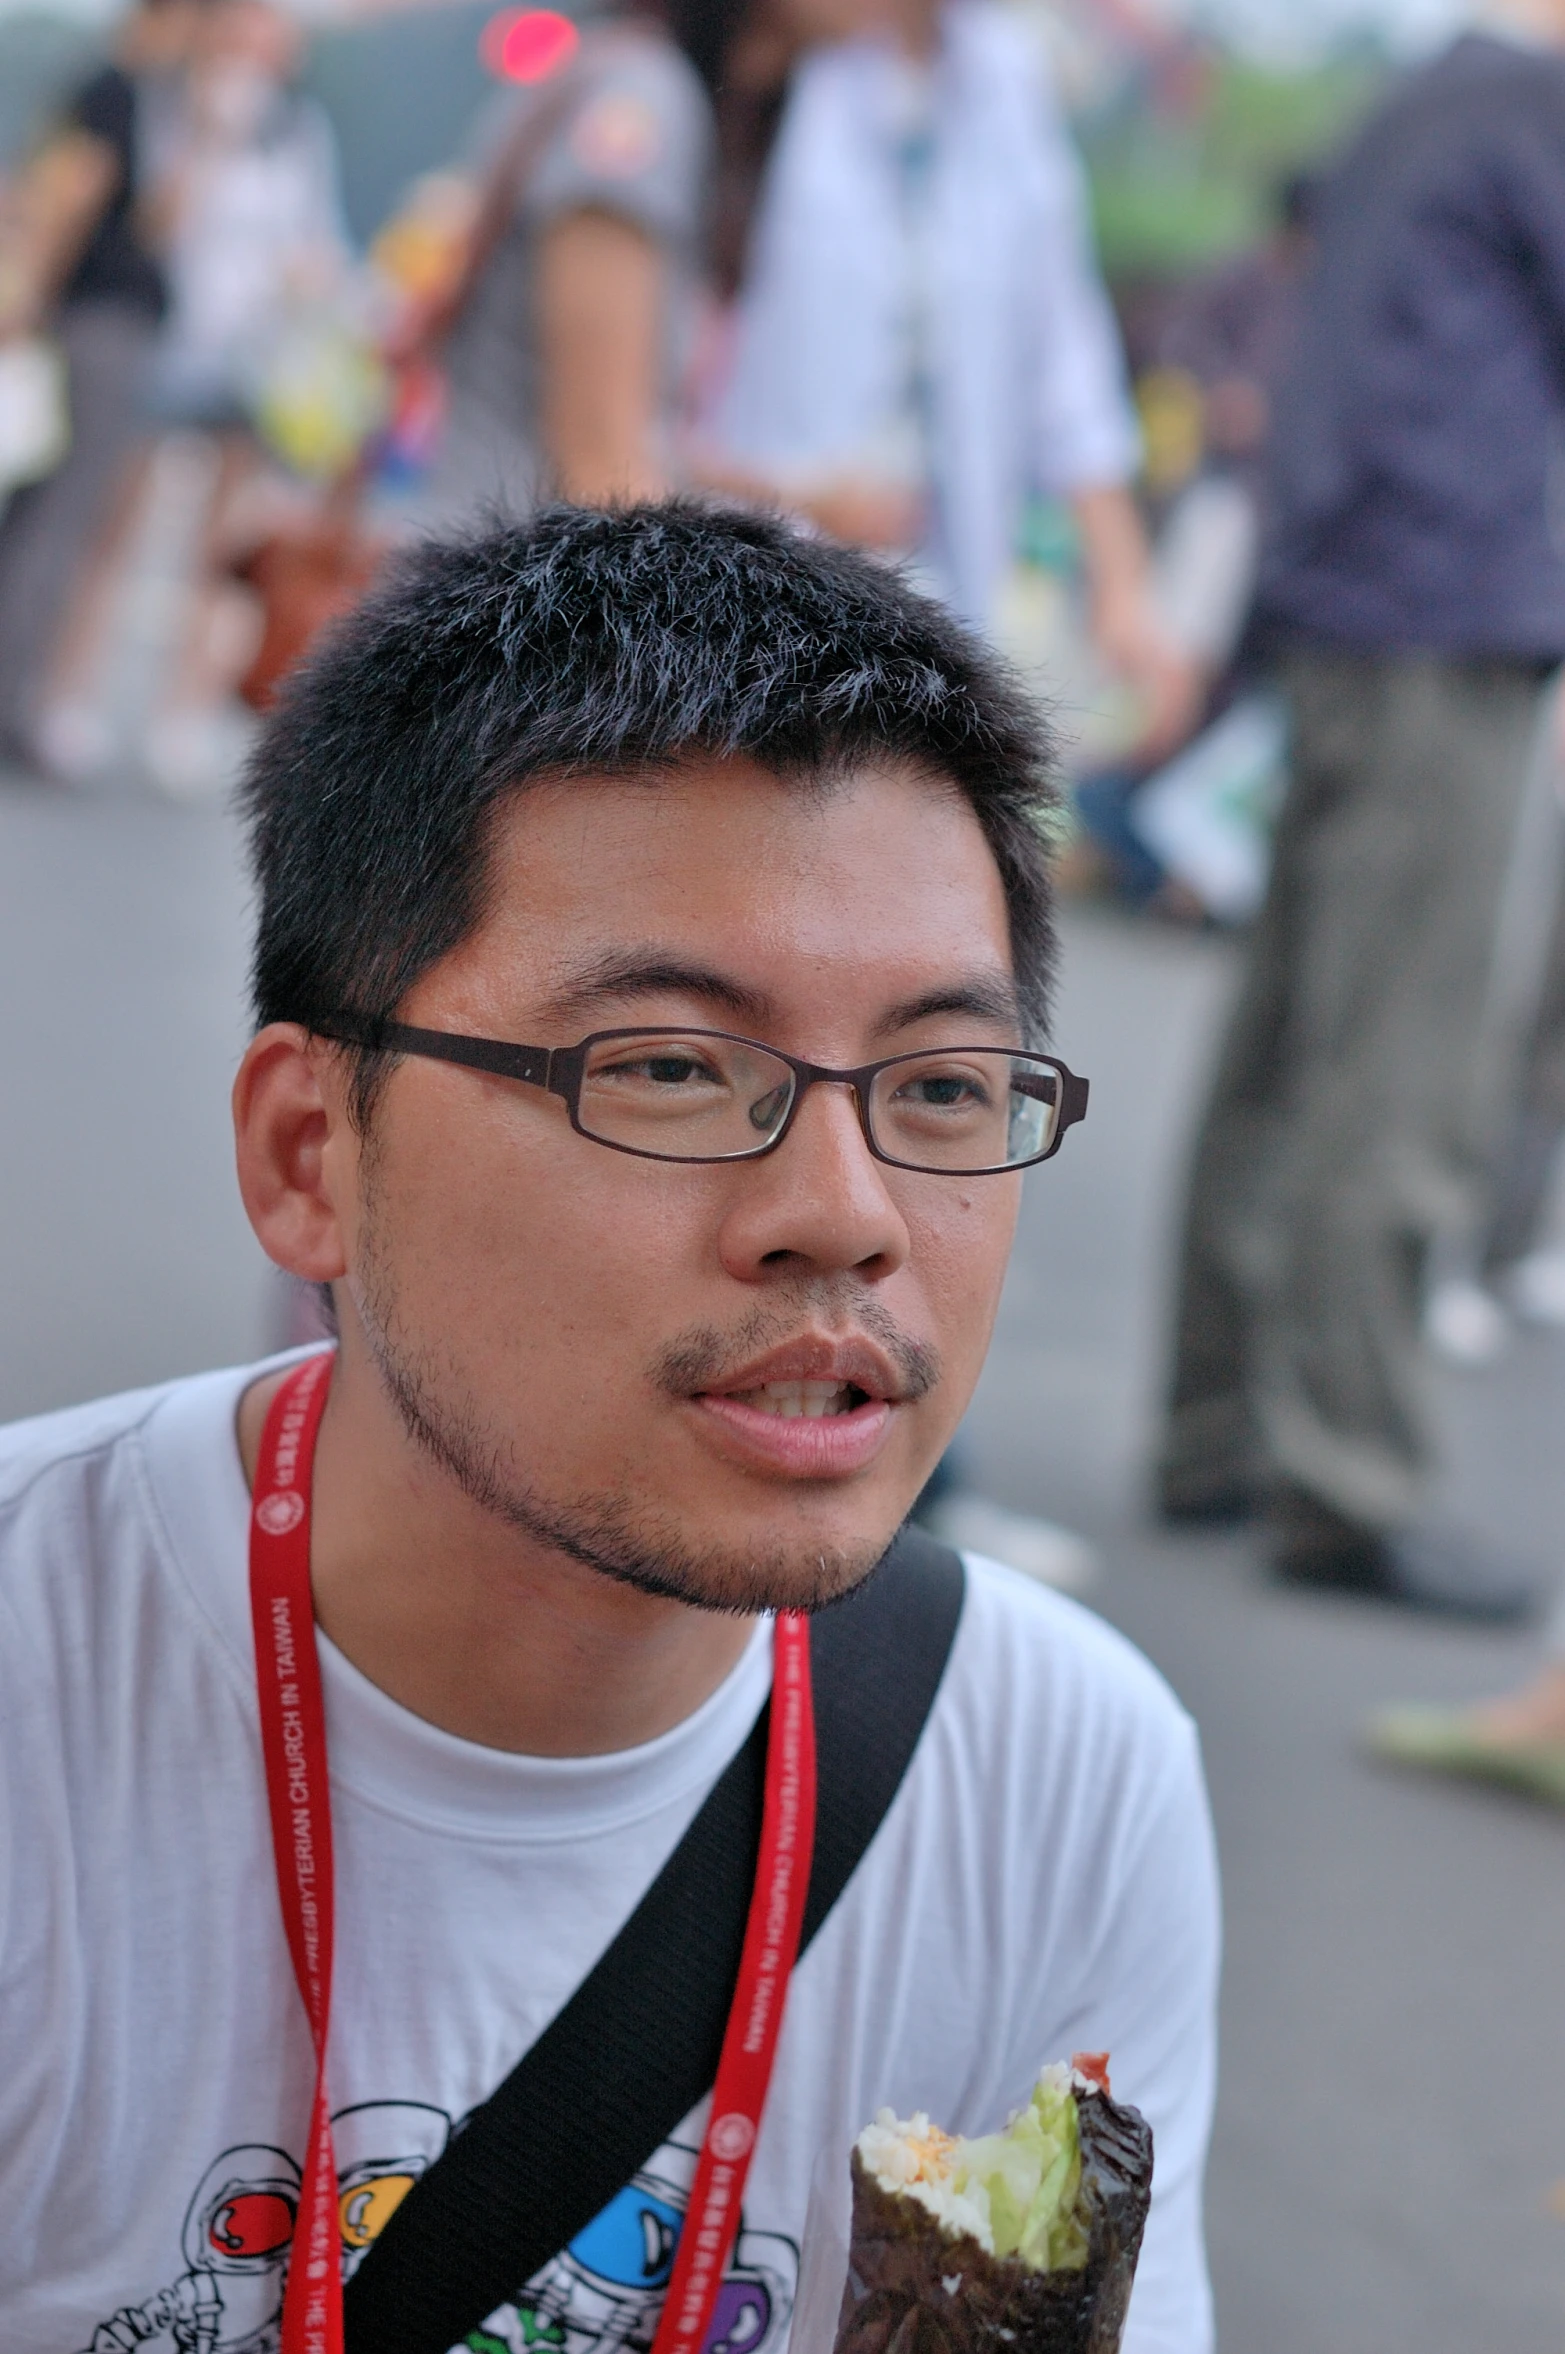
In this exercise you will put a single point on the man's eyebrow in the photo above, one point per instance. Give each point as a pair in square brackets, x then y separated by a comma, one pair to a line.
[641, 972]
[988, 997]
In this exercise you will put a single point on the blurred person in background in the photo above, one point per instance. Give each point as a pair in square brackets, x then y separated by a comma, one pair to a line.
[254, 208]
[258, 260]
[545, 300]
[556, 284]
[1519, 1259]
[1413, 585]
[1513, 1267]
[1231, 332]
[568, 331]
[1213, 355]
[80, 261]
[920, 336]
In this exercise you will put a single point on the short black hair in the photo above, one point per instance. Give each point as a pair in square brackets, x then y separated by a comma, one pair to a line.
[585, 641]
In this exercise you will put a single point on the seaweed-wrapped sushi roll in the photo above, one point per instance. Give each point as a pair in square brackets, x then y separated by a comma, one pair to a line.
[1021, 2242]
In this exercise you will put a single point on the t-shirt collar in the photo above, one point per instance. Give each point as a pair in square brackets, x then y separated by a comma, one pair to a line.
[380, 1751]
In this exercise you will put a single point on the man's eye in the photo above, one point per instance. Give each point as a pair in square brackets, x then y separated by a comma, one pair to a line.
[662, 1070]
[943, 1091]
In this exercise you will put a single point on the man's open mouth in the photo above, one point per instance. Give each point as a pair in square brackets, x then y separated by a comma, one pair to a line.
[810, 1401]
[819, 1407]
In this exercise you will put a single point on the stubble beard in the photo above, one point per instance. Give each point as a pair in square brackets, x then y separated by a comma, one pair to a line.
[612, 1531]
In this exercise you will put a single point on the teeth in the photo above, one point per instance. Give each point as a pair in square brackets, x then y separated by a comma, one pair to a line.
[792, 1399]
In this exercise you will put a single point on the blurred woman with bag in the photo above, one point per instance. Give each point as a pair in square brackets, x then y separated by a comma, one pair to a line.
[267, 353]
[80, 269]
[571, 330]
[553, 287]
[920, 334]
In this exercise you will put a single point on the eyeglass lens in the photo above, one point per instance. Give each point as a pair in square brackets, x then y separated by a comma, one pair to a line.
[693, 1098]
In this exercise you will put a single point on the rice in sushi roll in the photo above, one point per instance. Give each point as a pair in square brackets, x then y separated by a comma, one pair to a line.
[1022, 2242]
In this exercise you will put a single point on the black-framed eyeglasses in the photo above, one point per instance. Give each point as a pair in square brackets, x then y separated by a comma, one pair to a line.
[705, 1095]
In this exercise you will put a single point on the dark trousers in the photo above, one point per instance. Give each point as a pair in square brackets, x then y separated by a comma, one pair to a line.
[1368, 1065]
[49, 530]
[1525, 1171]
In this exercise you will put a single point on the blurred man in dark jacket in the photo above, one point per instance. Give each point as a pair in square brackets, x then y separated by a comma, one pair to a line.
[1413, 589]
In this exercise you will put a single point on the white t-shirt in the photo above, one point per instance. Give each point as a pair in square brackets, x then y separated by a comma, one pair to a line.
[1043, 1882]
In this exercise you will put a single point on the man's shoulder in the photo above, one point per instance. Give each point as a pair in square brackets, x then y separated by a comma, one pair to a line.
[1048, 1632]
[74, 1521]
[623, 70]
[1491, 55]
[1043, 1675]
[647, 59]
[70, 1439]
[1482, 87]
[633, 135]
[88, 1492]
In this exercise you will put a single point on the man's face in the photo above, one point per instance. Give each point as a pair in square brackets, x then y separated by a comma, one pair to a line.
[723, 1381]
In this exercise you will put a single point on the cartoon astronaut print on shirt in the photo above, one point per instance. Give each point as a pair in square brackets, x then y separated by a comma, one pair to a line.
[605, 2291]
[235, 2243]
[601, 2295]
[239, 2227]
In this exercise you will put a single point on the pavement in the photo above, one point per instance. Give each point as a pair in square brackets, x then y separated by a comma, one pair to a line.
[1388, 2174]
[1388, 2169]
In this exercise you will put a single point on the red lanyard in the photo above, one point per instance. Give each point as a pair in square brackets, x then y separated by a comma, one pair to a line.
[293, 1743]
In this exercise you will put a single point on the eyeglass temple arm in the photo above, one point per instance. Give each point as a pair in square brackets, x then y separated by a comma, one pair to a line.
[1073, 1099]
[1062, 1088]
[529, 1063]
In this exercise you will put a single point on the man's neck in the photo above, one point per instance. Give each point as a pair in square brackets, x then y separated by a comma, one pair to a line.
[470, 1624]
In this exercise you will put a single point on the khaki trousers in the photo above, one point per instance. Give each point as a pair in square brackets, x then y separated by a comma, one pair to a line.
[1371, 1060]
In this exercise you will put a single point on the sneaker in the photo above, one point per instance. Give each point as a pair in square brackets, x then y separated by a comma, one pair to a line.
[196, 755]
[1186, 1499]
[1537, 1287]
[1465, 1324]
[76, 744]
[1427, 1569]
[1448, 1741]
[19, 763]
[1038, 1548]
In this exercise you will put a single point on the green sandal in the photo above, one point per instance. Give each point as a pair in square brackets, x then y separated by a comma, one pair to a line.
[1444, 1741]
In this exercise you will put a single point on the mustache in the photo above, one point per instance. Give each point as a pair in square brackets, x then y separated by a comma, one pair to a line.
[702, 1357]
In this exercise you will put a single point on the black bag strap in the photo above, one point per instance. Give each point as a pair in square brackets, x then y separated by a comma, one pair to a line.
[637, 2045]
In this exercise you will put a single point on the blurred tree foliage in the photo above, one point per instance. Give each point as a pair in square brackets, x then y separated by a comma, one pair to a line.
[1183, 176]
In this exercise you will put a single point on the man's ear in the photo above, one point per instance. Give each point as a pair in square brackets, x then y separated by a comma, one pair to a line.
[296, 1151]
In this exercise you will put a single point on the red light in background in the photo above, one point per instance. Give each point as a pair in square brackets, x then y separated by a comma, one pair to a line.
[527, 44]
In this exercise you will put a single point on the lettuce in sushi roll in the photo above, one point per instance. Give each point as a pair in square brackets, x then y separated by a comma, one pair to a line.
[1021, 2242]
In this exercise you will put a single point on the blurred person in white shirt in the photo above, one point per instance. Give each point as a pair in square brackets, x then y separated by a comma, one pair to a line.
[256, 223]
[263, 320]
[921, 337]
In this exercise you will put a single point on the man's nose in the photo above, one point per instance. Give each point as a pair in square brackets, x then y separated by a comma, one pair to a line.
[819, 1203]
